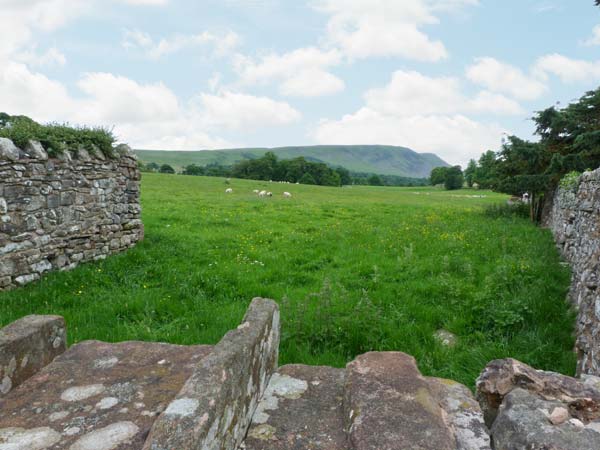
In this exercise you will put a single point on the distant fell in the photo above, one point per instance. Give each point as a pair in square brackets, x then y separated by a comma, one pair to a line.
[380, 159]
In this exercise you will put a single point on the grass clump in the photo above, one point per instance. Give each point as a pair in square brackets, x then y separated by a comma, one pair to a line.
[56, 138]
[354, 269]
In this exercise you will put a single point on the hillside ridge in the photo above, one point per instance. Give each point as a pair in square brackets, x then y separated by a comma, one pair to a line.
[380, 159]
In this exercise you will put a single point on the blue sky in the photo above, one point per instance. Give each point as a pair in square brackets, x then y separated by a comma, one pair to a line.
[443, 76]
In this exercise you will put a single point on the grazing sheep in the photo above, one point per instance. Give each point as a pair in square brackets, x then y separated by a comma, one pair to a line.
[255, 191]
[269, 194]
[262, 193]
[228, 191]
[287, 194]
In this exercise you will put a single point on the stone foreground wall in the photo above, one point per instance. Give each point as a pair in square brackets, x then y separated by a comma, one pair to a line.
[57, 213]
[574, 218]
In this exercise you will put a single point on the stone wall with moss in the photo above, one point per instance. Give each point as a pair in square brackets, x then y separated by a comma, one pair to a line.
[58, 212]
[574, 219]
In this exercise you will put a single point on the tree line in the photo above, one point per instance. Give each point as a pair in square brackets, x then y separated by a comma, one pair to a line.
[569, 143]
[295, 170]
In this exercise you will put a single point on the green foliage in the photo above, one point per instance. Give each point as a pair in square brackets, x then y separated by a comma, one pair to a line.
[375, 180]
[307, 178]
[569, 142]
[361, 269]
[454, 178]
[570, 181]
[438, 175]
[470, 172]
[485, 173]
[165, 168]
[56, 138]
[451, 177]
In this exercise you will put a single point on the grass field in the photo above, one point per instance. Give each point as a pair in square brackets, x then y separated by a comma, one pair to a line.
[353, 269]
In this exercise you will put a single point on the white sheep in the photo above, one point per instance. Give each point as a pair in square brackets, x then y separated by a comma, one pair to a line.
[255, 191]
[287, 195]
[262, 193]
[269, 194]
[228, 191]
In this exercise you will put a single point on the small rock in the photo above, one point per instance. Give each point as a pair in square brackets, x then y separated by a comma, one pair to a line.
[577, 423]
[559, 416]
[445, 338]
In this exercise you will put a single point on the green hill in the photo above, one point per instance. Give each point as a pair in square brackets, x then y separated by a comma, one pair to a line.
[381, 159]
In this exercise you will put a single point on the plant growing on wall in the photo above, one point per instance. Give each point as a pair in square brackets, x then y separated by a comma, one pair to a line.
[56, 138]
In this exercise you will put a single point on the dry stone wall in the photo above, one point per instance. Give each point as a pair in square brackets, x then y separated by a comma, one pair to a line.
[574, 219]
[58, 212]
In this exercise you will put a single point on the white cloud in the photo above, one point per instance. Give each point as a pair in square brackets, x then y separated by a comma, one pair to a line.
[145, 115]
[567, 69]
[34, 94]
[494, 103]
[51, 57]
[412, 93]
[20, 19]
[504, 78]
[454, 138]
[118, 99]
[236, 111]
[300, 73]
[312, 83]
[364, 29]
[595, 38]
[220, 44]
[146, 2]
[426, 113]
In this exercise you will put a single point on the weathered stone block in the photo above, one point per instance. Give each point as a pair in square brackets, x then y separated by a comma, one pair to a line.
[34, 150]
[8, 150]
[388, 404]
[301, 409]
[99, 395]
[214, 408]
[26, 346]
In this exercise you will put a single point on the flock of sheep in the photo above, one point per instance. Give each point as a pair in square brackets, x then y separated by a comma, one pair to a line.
[260, 193]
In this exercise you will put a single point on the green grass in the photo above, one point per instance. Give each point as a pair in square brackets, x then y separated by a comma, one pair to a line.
[380, 159]
[354, 269]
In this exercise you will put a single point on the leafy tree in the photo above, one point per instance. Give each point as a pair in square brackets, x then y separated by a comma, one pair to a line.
[152, 166]
[438, 175]
[485, 174]
[470, 172]
[307, 178]
[375, 180]
[344, 174]
[193, 169]
[521, 168]
[454, 178]
[165, 168]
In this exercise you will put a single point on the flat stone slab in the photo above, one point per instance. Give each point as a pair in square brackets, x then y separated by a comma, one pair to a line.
[389, 405]
[301, 410]
[96, 396]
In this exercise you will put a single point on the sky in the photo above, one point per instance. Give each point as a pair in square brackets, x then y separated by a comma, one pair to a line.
[450, 77]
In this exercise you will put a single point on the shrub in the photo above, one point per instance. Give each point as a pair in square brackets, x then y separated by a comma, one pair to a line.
[570, 181]
[56, 138]
[165, 168]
